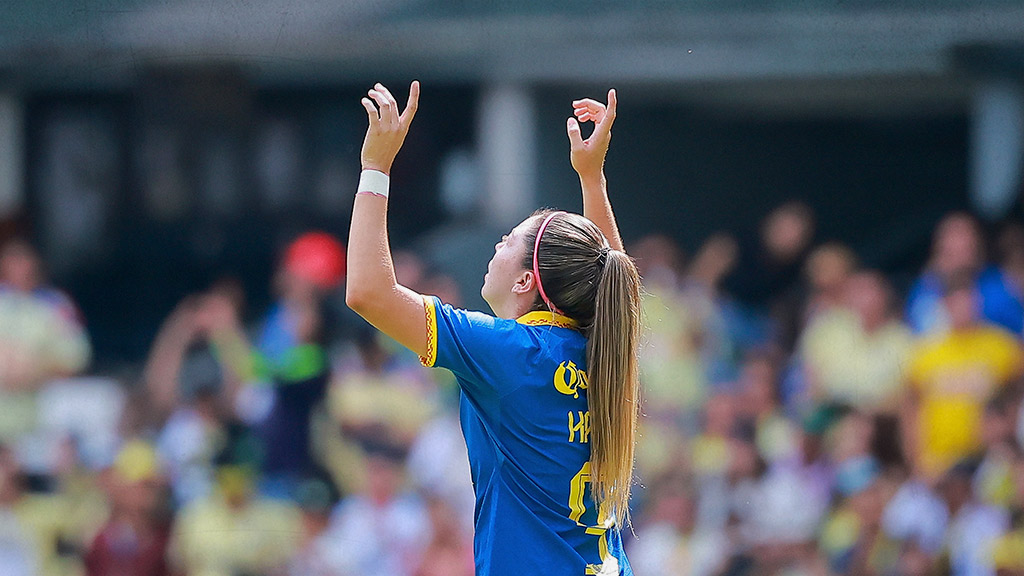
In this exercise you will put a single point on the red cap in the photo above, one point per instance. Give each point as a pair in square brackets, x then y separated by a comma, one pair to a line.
[317, 257]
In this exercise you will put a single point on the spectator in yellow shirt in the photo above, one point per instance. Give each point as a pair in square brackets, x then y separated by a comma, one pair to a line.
[951, 377]
[857, 353]
[235, 531]
[41, 337]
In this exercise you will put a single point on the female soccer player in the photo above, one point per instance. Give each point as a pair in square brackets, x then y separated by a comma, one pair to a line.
[549, 383]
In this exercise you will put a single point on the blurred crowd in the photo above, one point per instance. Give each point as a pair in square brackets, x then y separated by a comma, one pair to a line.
[803, 415]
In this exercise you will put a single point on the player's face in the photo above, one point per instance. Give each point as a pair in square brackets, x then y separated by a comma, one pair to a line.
[505, 268]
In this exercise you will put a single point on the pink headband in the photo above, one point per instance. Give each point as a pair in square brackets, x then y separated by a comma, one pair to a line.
[536, 267]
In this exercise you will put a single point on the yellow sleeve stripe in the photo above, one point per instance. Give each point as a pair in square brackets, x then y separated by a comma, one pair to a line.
[430, 357]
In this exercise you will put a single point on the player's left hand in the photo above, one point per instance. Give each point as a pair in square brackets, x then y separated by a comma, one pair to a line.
[588, 155]
[388, 126]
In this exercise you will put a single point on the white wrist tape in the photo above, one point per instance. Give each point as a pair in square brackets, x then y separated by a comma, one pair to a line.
[374, 182]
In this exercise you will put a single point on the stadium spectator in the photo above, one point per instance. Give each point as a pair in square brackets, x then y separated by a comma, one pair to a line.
[993, 481]
[712, 318]
[709, 450]
[958, 246]
[381, 530]
[857, 352]
[916, 519]
[287, 359]
[54, 517]
[66, 510]
[234, 530]
[670, 541]
[759, 406]
[974, 528]
[768, 276]
[787, 506]
[374, 396]
[952, 376]
[316, 550]
[827, 271]
[727, 472]
[41, 337]
[134, 540]
[192, 404]
[786, 235]
[379, 393]
[852, 536]
[794, 494]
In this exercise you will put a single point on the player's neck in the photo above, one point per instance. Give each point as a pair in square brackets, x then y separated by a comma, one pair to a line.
[514, 307]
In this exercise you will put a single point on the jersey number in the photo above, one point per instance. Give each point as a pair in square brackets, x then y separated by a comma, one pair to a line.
[578, 506]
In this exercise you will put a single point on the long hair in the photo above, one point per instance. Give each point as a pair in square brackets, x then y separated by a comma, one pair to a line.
[600, 289]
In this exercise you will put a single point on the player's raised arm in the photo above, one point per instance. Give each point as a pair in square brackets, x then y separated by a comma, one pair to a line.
[588, 160]
[371, 289]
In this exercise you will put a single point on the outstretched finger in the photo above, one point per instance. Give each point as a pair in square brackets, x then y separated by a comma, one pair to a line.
[575, 137]
[613, 104]
[604, 127]
[412, 104]
[371, 111]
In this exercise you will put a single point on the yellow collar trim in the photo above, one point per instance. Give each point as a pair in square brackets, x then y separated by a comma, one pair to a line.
[540, 318]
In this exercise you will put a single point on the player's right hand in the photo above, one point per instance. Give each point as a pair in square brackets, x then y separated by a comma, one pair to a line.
[388, 127]
[588, 155]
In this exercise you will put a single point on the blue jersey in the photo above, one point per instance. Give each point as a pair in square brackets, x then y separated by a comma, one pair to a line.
[524, 414]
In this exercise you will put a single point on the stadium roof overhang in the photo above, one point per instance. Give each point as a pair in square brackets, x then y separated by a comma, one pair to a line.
[880, 54]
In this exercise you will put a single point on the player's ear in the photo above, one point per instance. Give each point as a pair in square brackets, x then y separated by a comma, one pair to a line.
[524, 283]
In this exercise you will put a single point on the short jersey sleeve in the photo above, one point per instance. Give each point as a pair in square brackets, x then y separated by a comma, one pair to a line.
[482, 351]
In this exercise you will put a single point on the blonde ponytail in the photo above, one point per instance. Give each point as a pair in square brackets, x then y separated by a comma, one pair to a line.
[613, 392]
